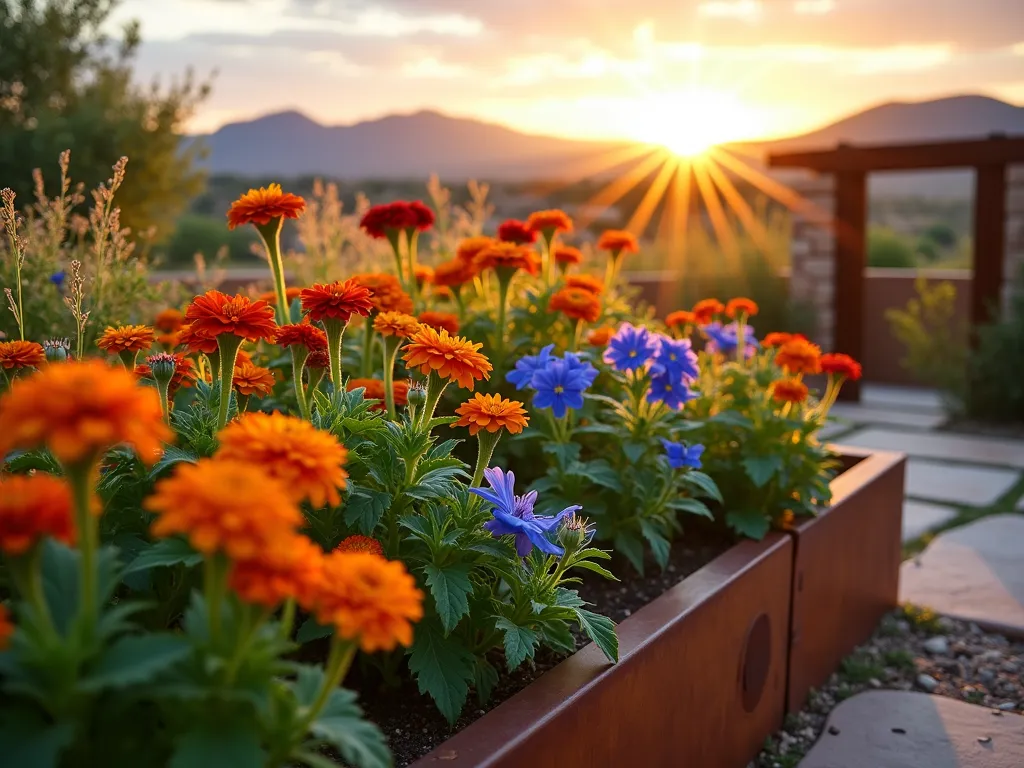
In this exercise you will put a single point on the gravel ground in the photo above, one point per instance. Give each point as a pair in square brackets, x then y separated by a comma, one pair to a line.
[911, 650]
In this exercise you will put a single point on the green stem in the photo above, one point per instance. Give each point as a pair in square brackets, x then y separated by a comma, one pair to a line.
[741, 338]
[366, 367]
[214, 592]
[412, 240]
[21, 307]
[287, 618]
[577, 337]
[548, 257]
[457, 293]
[249, 627]
[504, 282]
[335, 332]
[28, 581]
[338, 662]
[394, 236]
[611, 270]
[165, 405]
[486, 441]
[391, 346]
[227, 346]
[79, 475]
[299, 355]
[435, 388]
[270, 233]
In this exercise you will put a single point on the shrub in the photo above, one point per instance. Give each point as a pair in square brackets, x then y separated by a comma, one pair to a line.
[890, 250]
[206, 235]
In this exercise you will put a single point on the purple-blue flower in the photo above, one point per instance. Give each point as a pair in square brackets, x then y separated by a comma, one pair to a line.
[513, 515]
[561, 384]
[725, 338]
[679, 455]
[528, 365]
[575, 363]
[670, 390]
[57, 278]
[676, 358]
[631, 347]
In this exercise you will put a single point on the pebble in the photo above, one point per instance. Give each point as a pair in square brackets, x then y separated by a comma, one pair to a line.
[833, 730]
[927, 682]
[937, 646]
[986, 677]
[875, 683]
[1008, 706]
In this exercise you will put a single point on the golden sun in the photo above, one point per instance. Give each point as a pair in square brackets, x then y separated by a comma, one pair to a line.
[691, 121]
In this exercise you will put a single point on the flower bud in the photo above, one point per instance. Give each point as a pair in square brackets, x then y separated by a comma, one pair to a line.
[575, 533]
[417, 395]
[57, 350]
[163, 367]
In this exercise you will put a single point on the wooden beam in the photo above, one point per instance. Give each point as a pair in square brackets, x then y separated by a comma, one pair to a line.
[989, 242]
[851, 258]
[994, 151]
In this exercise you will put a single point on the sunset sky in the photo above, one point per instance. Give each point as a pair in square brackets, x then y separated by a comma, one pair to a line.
[585, 68]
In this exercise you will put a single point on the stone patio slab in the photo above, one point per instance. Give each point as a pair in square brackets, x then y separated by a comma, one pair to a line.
[902, 729]
[970, 450]
[901, 398]
[956, 484]
[920, 517]
[974, 573]
[866, 414]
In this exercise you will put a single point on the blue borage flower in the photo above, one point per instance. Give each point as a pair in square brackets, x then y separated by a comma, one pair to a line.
[631, 348]
[680, 455]
[528, 365]
[725, 338]
[561, 384]
[513, 515]
[58, 278]
[675, 358]
[670, 390]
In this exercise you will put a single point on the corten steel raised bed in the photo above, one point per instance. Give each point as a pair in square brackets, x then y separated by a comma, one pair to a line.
[846, 568]
[701, 681]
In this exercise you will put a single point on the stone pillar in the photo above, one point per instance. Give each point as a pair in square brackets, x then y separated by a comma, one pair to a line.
[812, 254]
[1014, 262]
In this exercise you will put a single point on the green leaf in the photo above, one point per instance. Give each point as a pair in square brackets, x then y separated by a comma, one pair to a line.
[761, 469]
[23, 461]
[601, 630]
[135, 659]
[634, 451]
[450, 587]
[558, 637]
[365, 507]
[26, 739]
[568, 598]
[311, 630]
[172, 455]
[443, 668]
[659, 544]
[598, 472]
[565, 453]
[341, 724]
[485, 677]
[732, 419]
[752, 523]
[589, 565]
[520, 643]
[216, 744]
[166, 552]
[631, 546]
[691, 506]
[703, 482]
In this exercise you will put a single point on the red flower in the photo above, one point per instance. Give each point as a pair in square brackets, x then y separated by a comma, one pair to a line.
[841, 365]
[304, 333]
[705, 310]
[741, 306]
[337, 300]
[261, 206]
[215, 313]
[421, 215]
[515, 231]
[618, 240]
[391, 217]
[549, 221]
[566, 254]
[679, 317]
[440, 320]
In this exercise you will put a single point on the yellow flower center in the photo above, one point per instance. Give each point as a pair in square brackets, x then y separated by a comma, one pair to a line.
[632, 353]
[559, 389]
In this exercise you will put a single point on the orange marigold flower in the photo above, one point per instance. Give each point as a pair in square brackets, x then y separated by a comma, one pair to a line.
[367, 597]
[263, 205]
[491, 412]
[799, 356]
[453, 272]
[705, 310]
[79, 410]
[424, 274]
[680, 317]
[576, 303]
[599, 337]
[31, 508]
[196, 342]
[126, 338]
[515, 231]
[358, 543]
[508, 256]
[169, 320]
[292, 569]
[336, 301]
[468, 248]
[549, 221]
[169, 340]
[308, 461]
[374, 390]
[618, 241]
[215, 313]
[841, 365]
[242, 357]
[741, 306]
[778, 338]
[442, 293]
[318, 358]
[252, 379]
[566, 254]
[21, 354]
[450, 357]
[184, 373]
[224, 506]
[6, 627]
[586, 282]
[291, 293]
[789, 391]
[439, 320]
[386, 293]
[304, 334]
[396, 324]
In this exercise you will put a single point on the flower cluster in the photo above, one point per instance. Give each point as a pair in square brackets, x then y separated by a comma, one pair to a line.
[559, 382]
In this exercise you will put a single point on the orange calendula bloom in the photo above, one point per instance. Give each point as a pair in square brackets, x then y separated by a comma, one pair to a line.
[789, 391]
[618, 241]
[308, 461]
[336, 301]
[358, 543]
[31, 508]
[374, 390]
[549, 221]
[586, 282]
[508, 256]
[6, 627]
[599, 337]
[291, 293]
[215, 313]
[126, 338]
[196, 342]
[386, 293]
[469, 248]
[741, 306]
[263, 205]
[491, 412]
[841, 365]
[679, 318]
[81, 409]
[21, 354]
[396, 324]
[293, 569]
[224, 506]
[778, 338]
[367, 597]
[706, 309]
[439, 320]
[302, 334]
[453, 272]
[799, 356]
[169, 320]
[576, 303]
[424, 274]
[252, 379]
[566, 254]
[450, 357]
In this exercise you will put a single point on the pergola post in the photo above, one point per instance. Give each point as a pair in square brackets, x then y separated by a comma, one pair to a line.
[989, 243]
[851, 210]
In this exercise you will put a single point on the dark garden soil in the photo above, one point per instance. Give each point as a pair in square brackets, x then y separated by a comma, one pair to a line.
[411, 722]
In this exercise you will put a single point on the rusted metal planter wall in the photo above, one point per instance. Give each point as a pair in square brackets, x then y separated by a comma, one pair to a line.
[700, 682]
[846, 568]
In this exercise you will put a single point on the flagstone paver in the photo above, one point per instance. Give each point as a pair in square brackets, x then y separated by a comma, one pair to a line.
[931, 445]
[901, 398]
[956, 483]
[974, 573]
[920, 517]
[865, 414]
[902, 729]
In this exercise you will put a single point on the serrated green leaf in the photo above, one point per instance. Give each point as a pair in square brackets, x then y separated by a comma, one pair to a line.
[24, 461]
[520, 643]
[761, 469]
[705, 484]
[593, 567]
[165, 552]
[631, 546]
[341, 725]
[558, 636]
[568, 598]
[172, 456]
[752, 523]
[218, 744]
[443, 668]
[450, 587]
[601, 630]
[485, 677]
[135, 659]
[659, 544]
[365, 507]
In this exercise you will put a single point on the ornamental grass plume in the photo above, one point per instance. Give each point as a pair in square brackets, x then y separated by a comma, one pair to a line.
[486, 416]
[333, 305]
[359, 543]
[33, 507]
[20, 355]
[266, 209]
[443, 358]
[440, 320]
[394, 328]
[126, 341]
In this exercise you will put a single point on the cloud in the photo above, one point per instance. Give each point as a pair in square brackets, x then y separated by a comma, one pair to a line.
[814, 7]
[747, 10]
